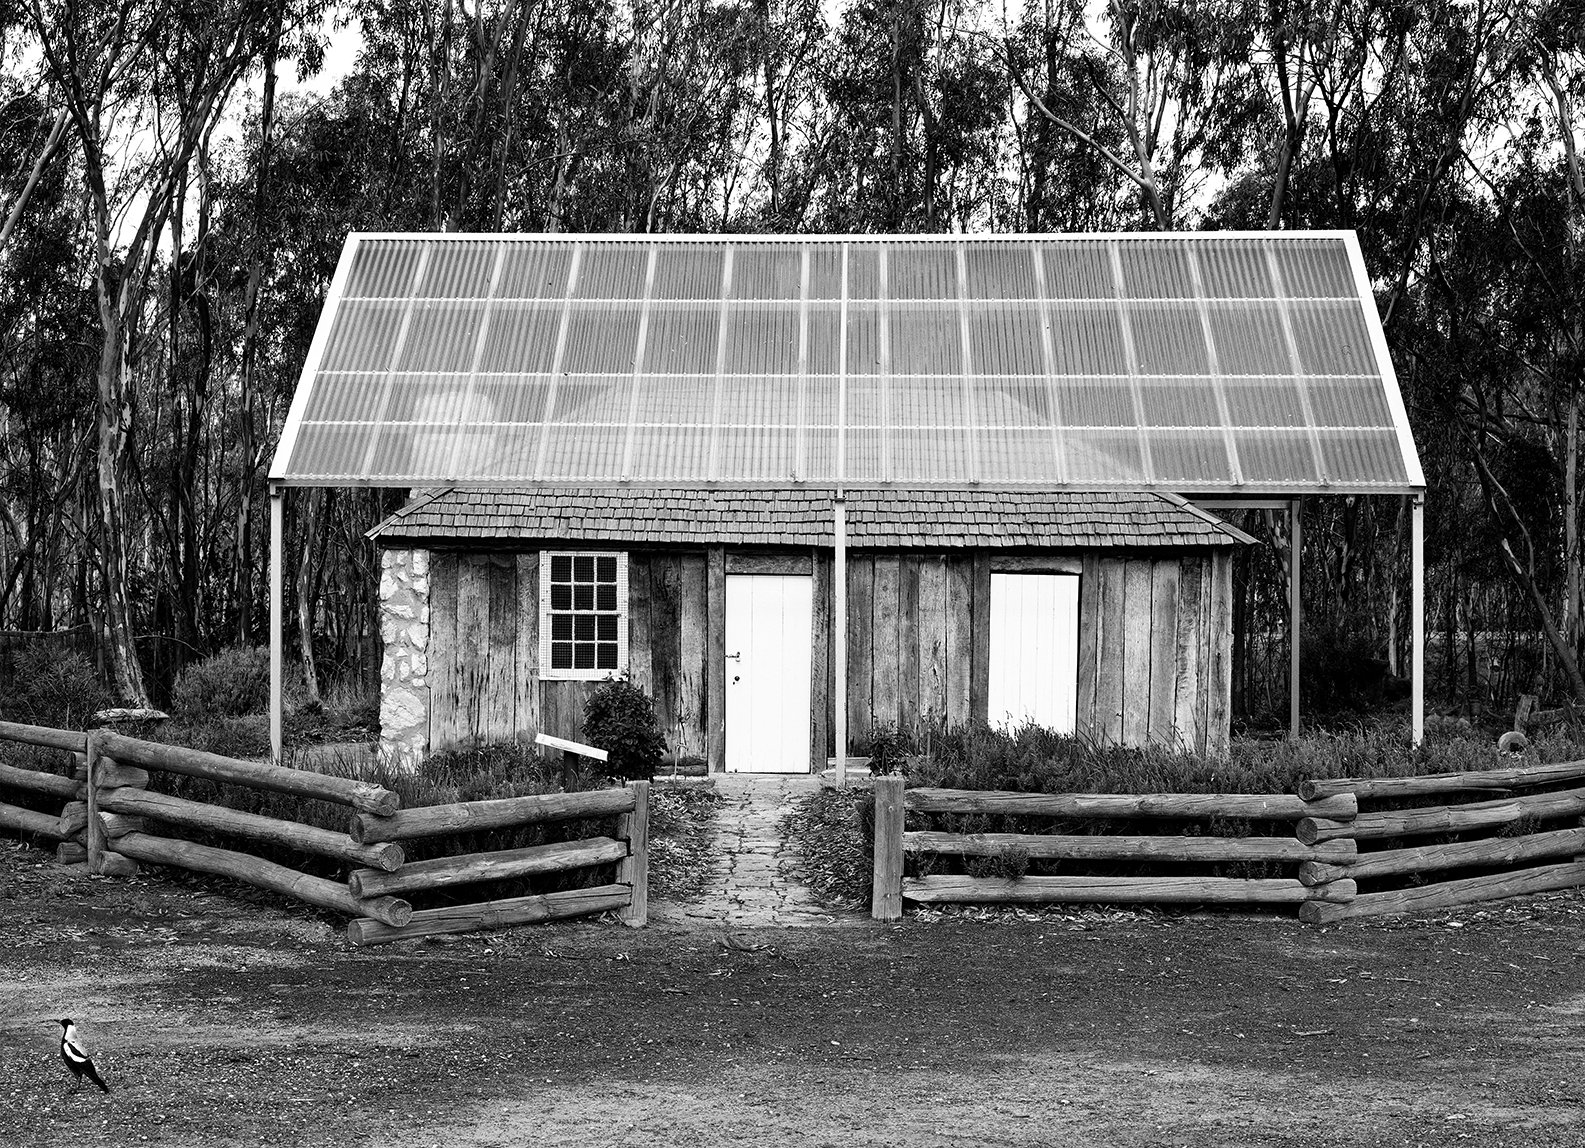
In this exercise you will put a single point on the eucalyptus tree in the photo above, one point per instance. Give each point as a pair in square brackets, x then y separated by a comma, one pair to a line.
[143, 87]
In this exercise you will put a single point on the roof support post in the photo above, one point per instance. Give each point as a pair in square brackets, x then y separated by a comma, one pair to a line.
[1417, 619]
[1295, 611]
[839, 606]
[277, 549]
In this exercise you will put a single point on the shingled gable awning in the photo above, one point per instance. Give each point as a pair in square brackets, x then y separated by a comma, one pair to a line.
[1238, 363]
[888, 519]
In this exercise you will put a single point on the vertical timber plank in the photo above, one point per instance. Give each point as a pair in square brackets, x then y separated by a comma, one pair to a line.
[887, 887]
[638, 621]
[960, 638]
[820, 663]
[885, 648]
[1216, 734]
[980, 640]
[1207, 639]
[861, 661]
[933, 638]
[444, 717]
[715, 659]
[500, 670]
[634, 869]
[908, 647]
[525, 655]
[692, 634]
[663, 646]
[1136, 651]
[1163, 652]
[473, 637]
[1109, 655]
[1186, 714]
[1085, 724]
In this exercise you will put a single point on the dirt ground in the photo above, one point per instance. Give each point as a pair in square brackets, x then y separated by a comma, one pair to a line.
[219, 1018]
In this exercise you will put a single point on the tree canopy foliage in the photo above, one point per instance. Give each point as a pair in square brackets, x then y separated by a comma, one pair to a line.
[174, 199]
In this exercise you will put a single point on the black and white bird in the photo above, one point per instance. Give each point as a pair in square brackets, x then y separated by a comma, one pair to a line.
[76, 1055]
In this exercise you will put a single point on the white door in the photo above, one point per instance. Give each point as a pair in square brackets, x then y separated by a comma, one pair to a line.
[1034, 650]
[769, 624]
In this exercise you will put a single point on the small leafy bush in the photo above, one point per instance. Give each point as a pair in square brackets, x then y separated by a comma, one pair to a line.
[620, 719]
[58, 690]
[887, 747]
[232, 683]
[834, 830]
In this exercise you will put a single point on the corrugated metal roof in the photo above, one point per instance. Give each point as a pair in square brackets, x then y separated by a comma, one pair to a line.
[1251, 363]
[876, 519]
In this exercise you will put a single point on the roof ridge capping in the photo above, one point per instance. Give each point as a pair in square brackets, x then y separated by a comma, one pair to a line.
[418, 503]
[1206, 516]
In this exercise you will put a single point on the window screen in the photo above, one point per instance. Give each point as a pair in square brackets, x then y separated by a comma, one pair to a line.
[582, 615]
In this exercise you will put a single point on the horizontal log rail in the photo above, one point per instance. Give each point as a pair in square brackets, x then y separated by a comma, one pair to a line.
[1120, 890]
[38, 781]
[493, 914]
[1444, 818]
[264, 874]
[1129, 848]
[20, 820]
[1462, 854]
[500, 865]
[73, 741]
[1252, 806]
[1450, 894]
[1475, 781]
[496, 813]
[219, 819]
[360, 795]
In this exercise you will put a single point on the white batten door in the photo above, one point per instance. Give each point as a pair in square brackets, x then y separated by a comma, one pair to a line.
[769, 638]
[1034, 650]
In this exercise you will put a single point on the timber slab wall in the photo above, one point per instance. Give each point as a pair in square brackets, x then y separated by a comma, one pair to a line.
[1154, 644]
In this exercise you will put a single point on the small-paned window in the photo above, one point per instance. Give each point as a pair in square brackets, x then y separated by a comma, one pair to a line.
[582, 615]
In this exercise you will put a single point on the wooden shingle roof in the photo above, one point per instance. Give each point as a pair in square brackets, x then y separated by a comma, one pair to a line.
[876, 519]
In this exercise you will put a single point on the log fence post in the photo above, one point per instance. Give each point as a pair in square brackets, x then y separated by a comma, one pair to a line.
[96, 831]
[633, 871]
[887, 891]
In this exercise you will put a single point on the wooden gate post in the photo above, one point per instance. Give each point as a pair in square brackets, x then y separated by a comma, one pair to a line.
[634, 870]
[887, 891]
[96, 831]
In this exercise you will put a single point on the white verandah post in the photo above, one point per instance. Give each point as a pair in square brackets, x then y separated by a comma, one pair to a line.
[1295, 612]
[839, 588]
[277, 549]
[1417, 619]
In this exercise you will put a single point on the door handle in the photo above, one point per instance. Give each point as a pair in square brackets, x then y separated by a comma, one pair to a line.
[735, 657]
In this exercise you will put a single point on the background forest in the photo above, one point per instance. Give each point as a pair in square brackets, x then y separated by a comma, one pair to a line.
[174, 197]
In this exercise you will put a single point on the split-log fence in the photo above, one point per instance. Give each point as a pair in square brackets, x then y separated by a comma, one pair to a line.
[108, 811]
[893, 843]
[1326, 846]
[1520, 863]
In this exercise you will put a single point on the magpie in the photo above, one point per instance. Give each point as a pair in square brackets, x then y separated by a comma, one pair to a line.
[76, 1056]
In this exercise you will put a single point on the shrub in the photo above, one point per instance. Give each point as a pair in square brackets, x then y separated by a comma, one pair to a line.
[620, 719]
[834, 830]
[58, 690]
[887, 747]
[231, 683]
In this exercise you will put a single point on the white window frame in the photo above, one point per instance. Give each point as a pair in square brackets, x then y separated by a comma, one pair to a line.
[546, 671]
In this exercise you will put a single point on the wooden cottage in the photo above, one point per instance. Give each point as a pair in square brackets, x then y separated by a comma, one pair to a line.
[1102, 614]
[805, 488]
